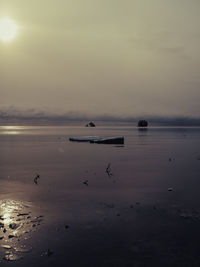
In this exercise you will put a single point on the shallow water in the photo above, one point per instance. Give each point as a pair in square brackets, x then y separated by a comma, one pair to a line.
[146, 210]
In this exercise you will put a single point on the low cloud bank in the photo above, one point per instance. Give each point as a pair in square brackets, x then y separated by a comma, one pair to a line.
[14, 116]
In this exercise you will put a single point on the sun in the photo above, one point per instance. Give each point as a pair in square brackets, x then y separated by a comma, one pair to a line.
[8, 29]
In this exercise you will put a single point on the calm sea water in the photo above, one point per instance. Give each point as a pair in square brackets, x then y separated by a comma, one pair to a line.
[149, 194]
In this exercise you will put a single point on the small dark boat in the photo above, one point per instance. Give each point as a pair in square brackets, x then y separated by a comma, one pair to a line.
[112, 140]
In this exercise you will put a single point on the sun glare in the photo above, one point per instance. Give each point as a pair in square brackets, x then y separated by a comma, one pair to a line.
[8, 29]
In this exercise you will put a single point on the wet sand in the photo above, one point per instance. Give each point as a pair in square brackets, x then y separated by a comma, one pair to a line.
[144, 212]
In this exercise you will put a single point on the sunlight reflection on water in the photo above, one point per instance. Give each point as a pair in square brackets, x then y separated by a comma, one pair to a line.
[9, 209]
[17, 221]
[11, 129]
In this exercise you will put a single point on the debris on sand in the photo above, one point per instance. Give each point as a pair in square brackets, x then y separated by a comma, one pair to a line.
[85, 182]
[11, 236]
[23, 214]
[13, 226]
[108, 170]
[36, 179]
[1, 225]
[37, 220]
[48, 253]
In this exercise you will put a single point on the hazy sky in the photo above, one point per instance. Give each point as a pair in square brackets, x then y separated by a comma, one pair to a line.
[119, 57]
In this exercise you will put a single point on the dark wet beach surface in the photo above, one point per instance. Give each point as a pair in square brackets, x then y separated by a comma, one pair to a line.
[145, 213]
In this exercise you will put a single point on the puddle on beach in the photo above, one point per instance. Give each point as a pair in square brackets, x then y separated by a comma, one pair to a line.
[17, 222]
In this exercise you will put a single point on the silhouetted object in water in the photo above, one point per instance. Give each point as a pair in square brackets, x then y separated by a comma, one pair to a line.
[98, 140]
[36, 179]
[85, 182]
[142, 123]
[112, 140]
[84, 138]
[90, 124]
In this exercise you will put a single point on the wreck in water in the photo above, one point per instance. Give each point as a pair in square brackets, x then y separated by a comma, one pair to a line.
[142, 123]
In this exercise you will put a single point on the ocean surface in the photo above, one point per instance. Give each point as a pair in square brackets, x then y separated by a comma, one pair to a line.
[68, 203]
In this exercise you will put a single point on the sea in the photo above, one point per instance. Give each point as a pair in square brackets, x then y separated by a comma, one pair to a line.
[72, 204]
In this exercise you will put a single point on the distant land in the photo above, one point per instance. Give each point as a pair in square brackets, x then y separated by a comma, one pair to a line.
[72, 118]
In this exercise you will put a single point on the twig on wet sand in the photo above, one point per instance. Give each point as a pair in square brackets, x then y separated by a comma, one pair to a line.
[108, 170]
[85, 182]
[36, 179]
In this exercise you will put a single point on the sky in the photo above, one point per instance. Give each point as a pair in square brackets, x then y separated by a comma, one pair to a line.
[114, 57]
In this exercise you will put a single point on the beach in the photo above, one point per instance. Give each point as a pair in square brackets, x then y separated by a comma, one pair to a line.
[68, 203]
